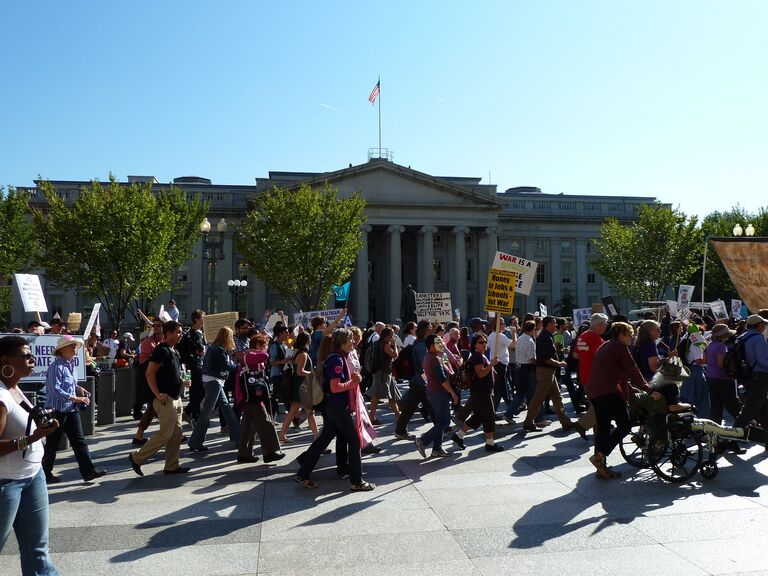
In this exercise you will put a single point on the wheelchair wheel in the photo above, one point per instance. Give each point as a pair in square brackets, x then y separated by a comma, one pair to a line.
[708, 470]
[634, 447]
[679, 460]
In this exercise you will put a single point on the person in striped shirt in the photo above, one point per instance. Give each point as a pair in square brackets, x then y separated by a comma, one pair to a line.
[65, 397]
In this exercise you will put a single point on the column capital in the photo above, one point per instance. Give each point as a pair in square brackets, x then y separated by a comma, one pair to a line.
[491, 230]
[366, 228]
[395, 228]
[428, 230]
[460, 230]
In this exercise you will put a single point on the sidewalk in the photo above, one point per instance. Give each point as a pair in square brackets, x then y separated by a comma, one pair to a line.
[536, 509]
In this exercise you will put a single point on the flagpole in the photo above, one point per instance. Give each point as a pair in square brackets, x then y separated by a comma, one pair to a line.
[379, 116]
[703, 273]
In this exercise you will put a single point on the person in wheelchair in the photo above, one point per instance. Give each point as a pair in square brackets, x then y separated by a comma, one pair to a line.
[667, 381]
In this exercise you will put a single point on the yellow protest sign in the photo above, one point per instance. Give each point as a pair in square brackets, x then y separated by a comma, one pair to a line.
[500, 294]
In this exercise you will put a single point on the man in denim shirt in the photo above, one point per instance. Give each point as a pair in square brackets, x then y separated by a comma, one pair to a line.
[756, 387]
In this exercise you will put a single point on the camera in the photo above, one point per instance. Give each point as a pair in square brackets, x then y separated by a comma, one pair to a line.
[42, 416]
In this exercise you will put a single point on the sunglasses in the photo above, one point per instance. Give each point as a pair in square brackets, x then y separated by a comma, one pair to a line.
[27, 356]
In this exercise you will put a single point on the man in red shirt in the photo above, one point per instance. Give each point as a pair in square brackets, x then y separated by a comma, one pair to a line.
[586, 346]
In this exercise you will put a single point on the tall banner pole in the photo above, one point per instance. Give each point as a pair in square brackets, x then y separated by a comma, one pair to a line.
[379, 116]
[703, 273]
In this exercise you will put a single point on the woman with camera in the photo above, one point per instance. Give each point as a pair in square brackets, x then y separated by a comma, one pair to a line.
[66, 398]
[23, 494]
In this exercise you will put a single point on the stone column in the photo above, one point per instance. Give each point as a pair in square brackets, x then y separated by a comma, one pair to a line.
[581, 273]
[530, 299]
[459, 276]
[488, 246]
[360, 300]
[426, 277]
[556, 272]
[395, 272]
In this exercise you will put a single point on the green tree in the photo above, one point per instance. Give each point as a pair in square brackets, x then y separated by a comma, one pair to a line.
[18, 240]
[566, 304]
[717, 283]
[301, 242]
[659, 251]
[118, 242]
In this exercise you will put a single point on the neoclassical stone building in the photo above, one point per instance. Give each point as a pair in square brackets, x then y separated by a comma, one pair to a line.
[435, 233]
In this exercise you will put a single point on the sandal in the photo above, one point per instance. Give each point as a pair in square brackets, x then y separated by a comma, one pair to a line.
[306, 482]
[285, 440]
[364, 487]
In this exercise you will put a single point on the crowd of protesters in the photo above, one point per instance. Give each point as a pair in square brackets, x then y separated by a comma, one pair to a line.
[455, 377]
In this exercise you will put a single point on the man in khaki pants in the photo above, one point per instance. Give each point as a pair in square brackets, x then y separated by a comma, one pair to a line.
[546, 383]
[164, 379]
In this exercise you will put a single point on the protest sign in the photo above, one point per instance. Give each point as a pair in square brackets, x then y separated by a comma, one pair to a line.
[598, 309]
[433, 306]
[305, 318]
[92, 319]
[74, 319]
[672, 306]
[581, 315]
[735, 308]
[42, 347]
[543, 310]
[745, 261]
[212, 323]
[611, 308]
[684, 295]
[719, 311]
[500, 293]
[31, 292]
[525, 270]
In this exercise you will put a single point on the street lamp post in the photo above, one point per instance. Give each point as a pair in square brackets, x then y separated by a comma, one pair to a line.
[213, 251]
[237, 287]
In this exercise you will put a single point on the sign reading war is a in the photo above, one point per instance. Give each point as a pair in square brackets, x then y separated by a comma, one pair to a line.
[524, 269]
[500, 295]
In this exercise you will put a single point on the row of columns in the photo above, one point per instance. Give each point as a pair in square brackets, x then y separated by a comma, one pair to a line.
[457, 280]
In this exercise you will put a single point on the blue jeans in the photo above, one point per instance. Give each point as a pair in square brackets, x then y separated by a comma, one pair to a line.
[24, 506]
[441, 409]
[214, 396]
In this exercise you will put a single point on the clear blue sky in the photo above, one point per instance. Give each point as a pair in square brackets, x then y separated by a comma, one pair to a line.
[653, 98]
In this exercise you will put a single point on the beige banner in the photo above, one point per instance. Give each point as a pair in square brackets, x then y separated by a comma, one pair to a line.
[746, 261]
[212, 323]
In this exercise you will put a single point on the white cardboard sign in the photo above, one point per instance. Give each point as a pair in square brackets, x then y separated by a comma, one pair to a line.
[32, 297]
[433, 306]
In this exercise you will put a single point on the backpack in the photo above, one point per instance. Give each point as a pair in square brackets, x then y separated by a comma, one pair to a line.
[371, 358]
[735, 362]
[254, 385]
[466, 376]
[402, 366]
[311, 390]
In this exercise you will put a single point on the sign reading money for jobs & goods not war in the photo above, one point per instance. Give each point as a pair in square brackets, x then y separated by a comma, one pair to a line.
[500, 294]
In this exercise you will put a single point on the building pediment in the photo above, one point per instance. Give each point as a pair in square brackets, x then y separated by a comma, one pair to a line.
[386, 184]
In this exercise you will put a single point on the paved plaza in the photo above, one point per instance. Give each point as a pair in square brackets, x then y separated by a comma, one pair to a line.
[535, 509]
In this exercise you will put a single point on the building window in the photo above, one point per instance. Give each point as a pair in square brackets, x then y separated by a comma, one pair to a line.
[437, 266]
[589, 247]
[242, 270]
[181, 304]
[514, 246]
[565, 268]
[566, 247]
[469, 270]
[56, 305]
[591, 278]
[541, 246]
[541, 274]
[470, 305]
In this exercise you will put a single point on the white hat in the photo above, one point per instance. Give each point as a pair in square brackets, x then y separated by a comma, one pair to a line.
[67, 340]
[128, 336]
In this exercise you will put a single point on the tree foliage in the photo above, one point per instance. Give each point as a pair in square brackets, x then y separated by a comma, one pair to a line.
[301, 242]
[18, 240]
[642, 260]
[717, 283]
[566, 304]
[118, 242]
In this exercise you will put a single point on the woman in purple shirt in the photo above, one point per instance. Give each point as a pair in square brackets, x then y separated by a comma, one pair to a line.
[722, 390]
[645, 352]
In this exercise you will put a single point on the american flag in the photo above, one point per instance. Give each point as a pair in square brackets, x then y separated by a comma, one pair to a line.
[375, 93]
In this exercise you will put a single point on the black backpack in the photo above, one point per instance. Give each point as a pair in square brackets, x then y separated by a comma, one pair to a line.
[402, 366]
[735, 362]
[254, 385]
